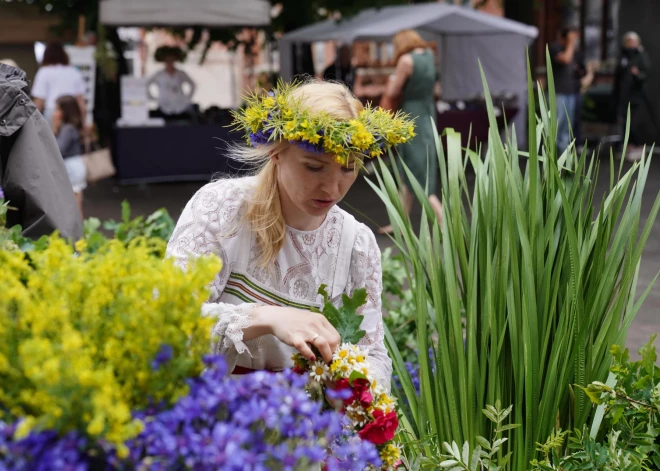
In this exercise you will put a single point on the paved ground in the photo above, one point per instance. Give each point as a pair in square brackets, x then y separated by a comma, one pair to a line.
[103, 201]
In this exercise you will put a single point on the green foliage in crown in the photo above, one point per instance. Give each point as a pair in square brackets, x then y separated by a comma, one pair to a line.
[281, 115]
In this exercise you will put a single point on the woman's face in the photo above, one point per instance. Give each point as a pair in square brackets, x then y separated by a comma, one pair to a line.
[310, 183]
[58, 114]
[631, 43]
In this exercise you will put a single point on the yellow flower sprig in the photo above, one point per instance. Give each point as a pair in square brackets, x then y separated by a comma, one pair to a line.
[282, 116]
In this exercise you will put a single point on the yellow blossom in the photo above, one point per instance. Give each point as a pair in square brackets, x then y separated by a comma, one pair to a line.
[24, 428]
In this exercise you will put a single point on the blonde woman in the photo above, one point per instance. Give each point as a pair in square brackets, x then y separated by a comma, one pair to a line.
[281, 234]
[413, 85]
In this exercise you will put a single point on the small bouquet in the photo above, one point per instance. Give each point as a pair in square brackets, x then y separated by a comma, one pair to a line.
[347, 383]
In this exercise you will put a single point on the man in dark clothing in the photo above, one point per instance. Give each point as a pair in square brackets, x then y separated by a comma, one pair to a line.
[342, 68]
[566, 67]
[32, 173]
[629, 88]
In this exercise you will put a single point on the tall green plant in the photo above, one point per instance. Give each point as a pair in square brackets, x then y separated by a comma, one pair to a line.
[525, 283]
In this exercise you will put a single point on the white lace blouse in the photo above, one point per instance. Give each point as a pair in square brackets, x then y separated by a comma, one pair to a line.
[212, 223]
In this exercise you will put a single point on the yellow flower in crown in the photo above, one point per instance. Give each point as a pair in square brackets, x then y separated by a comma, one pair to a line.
[281, 115]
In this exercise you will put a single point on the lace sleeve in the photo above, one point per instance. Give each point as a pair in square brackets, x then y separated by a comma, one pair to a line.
[208, 226]
[366, 272]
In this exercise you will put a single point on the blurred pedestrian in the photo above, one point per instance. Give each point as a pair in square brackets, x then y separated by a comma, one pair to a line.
[56, 78]
[32, 174]
[68, 128]
[174, 102]
[630, 89]
[342, 68]
[413, 85]
[567, 68]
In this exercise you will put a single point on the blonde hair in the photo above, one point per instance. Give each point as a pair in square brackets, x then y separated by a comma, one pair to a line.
[632, 35]
[406, 41]
[264, 212]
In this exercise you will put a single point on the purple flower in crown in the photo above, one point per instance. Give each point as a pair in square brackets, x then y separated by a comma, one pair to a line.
[260, 137]
[2, 194]
[307, 146]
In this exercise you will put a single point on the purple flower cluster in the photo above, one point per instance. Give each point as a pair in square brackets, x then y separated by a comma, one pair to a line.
[260, 137]
[2, 194]
[413, 372]
[163, 356]
[259, 421]
[307, 146]
[45, 451]
[249, 423]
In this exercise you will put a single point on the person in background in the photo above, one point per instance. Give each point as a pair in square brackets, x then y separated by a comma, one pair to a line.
[342, 68]
[566, 60]
[174, 102]
[56, 78]
[68, 128]
[32, 174]
[413, 85]
[629, 88]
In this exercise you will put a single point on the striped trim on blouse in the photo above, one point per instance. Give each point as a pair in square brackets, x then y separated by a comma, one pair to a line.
[248, 291]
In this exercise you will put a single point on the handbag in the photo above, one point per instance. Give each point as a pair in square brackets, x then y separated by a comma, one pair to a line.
[98, 163]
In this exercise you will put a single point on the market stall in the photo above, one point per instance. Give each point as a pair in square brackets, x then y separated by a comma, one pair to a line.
[464, 38]
[151, 150]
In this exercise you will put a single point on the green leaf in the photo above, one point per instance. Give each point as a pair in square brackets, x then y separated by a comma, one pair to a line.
[483, 442]
[355, 375]
[125, 211]
[346, 319]
[649, 356]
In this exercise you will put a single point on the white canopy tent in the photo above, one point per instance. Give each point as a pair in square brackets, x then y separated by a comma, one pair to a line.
[183, 13]
[465, 37]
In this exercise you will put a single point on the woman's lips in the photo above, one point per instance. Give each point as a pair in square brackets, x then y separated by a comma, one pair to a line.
[323, 203]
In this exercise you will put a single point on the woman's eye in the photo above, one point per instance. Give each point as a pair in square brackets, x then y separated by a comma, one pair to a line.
[348, 169]
[311, 168]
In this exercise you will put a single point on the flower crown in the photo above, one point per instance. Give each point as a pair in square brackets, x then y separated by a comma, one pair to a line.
[280, 116]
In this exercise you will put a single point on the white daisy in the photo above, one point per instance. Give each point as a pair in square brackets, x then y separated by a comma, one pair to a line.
[319, 371]
[343, 352]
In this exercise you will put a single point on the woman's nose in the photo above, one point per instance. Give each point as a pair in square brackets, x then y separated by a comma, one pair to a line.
[331, 183]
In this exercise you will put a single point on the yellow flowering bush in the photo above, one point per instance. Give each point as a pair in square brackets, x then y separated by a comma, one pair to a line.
[81, 334]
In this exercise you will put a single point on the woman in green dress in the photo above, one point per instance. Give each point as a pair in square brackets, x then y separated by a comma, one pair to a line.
[413, 85]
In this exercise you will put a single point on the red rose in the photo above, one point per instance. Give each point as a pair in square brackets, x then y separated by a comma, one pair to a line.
[343, 384]
[382, 429]
[361, 392]
[299, 370]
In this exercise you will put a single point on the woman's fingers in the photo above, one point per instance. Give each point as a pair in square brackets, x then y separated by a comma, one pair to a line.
[331, 334]
[332, 337]
[321, 343]
[303, 347]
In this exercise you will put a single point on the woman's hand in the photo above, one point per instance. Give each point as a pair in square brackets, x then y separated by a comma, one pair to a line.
[299, 329]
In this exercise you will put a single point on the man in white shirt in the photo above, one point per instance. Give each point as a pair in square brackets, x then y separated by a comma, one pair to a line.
[174, 101]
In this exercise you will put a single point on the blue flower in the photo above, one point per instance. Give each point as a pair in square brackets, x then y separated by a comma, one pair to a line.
[260, 137]
[163, 356]
[307, 146]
